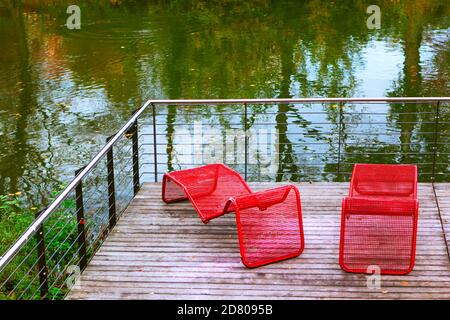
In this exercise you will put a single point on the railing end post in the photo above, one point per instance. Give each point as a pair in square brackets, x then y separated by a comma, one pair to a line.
[42, 261]
[80, 222]
[155, 148]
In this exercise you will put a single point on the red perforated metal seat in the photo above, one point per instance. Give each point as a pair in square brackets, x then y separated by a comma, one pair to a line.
[269, 222]
[379, 219]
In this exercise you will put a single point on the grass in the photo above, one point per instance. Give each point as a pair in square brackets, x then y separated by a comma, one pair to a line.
[20, 280]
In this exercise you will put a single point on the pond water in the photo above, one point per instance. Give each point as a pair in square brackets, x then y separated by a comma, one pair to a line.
[62, 92]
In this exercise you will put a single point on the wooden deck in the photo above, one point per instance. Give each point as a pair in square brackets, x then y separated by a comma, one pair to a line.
[160, 251]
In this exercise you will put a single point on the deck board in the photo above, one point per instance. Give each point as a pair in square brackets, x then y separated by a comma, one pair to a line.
[443, 200]
[160, 251]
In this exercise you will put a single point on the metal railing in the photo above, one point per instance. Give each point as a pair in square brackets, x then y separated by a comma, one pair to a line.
[312, 139]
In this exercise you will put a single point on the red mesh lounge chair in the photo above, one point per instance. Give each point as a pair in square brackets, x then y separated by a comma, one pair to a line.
[379, 219]
[269, 222]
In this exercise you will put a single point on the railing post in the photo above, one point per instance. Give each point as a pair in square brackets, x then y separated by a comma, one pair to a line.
[42, 262]
[111, 186]
[245, 141]
[133, 133]
[340, 140]
[81, 222]
[436, 138]
[135, 147]
[155, 148]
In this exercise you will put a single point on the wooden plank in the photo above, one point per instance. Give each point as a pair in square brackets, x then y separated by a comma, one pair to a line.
[443, 200]
[160, 251]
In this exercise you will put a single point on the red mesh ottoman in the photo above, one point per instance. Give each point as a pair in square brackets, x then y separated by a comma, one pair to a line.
[269, 225]
[269, 222]
[379, 219]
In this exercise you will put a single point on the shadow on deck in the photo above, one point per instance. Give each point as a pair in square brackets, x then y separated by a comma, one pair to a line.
[160, 251]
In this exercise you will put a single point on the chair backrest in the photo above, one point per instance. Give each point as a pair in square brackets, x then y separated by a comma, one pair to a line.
[209, 187]
[263, 200]
[199, 181]
[384, 180]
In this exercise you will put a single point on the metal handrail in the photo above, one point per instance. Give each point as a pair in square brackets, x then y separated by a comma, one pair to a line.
[44, 215]
[12, 251]
[296, 100]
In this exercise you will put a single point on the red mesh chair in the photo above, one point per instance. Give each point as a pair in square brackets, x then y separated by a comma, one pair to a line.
[379, 219]
[269, 222]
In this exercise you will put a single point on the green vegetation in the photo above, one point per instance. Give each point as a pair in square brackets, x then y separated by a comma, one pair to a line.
[13, 220]
[20, 279]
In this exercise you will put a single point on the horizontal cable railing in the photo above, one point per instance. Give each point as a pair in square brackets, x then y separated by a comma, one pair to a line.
[46, 260]
[263, 139]
[296, 140]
